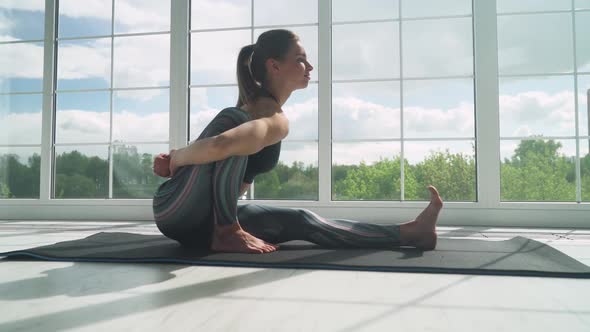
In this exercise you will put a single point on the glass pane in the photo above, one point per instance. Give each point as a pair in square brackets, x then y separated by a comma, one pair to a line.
[582, 4]
[354, 10]
[583, 108]
[141, 115]
[133, 176]
[21, 67]
[283, 12]
[142, 61]
[365, 110]
[206, 14]
[295, 177]
[437, 47]
[133, 16]
[82, 117]
[214, 56]
[84, 64]
[206, 103]
[20, 119]
[365, 51]
[308, 38]
[511, 6]
[81, 172]
[538, 170]
[426, 8]
[537, 106]
[447, 111]
[366, 171]
[302, 111]
[585, 168]
[21, 20]
[582, 44]
[449, 166]
[91, 19]
[540, 43]
[20, 172]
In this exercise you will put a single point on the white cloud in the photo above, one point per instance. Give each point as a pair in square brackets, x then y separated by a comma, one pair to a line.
[32, 5]
[21, 60]
[130, 126]
[89, 60]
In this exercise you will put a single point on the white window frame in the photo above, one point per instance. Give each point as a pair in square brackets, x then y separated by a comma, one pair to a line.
[487, 211]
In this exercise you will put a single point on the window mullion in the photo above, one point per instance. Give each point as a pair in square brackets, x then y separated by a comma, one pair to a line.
[179, 73]
[325, 101]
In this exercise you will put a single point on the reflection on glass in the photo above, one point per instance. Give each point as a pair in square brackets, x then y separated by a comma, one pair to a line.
[537, 106]
[294, 178]
[132, 170]
[439, 108]
[20, 119]
[533, 44]
[511, 6]
[583, 104]
[134, 16]
[81, 172]
[24, 21]
[365, 51]
[366, 171]
[207, 14]
[354, 10]
[282, 12]
[365, 110]
[20, 172]
[582, 44]
[214, 56]
[93, 18]
[434, 48]
[429, 8]
[538, 170]
[84, 64]
[21, 67]
[141, 115]
[449, 166]
[82, 117]
[142, 61]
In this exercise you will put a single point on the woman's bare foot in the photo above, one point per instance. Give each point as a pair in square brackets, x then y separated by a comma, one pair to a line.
[421, 232]
[234, 239]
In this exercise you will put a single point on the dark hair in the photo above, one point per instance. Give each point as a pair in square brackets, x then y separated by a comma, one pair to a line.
[252, 83]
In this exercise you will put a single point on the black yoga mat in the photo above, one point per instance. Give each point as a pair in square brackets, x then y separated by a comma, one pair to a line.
[518, 256]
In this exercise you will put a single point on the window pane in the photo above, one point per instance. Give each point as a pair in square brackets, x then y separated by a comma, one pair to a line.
[582, 4]
[83, 117]
[437, 47]
[20, 119]
[426, 8]
[511, 6]
[295, 177]
[283, 12]
[91, 19]
[365, 110]
[365, 51]
[439, 108]
[206, 103]
[449, 166]
[206, 14]
[21, 67]
[81, 172]
[84, 64]
[537, 106]
[366, 171]
[214, 56]
[354, 10]
[132, 16]
[22, 20]
[538, 170]
[585, 168]
[141, 115]
[582, 44]
[530, 44]
[302, 111]
[142, 61]
[133, 176]
[19, 172]
[583, 109]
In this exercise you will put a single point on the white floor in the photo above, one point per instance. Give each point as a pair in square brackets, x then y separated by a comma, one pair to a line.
[58, 296]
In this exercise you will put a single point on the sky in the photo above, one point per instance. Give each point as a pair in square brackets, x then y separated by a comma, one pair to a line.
[536, 44]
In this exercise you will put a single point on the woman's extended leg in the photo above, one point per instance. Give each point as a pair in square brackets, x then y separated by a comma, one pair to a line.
[277, 225]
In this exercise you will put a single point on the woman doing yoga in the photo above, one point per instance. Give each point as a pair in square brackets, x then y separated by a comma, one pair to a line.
[198, 205]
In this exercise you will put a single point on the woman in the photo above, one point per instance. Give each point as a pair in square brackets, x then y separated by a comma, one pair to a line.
[198, 205]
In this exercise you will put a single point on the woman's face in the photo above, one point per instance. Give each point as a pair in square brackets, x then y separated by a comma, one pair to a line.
[295, 69]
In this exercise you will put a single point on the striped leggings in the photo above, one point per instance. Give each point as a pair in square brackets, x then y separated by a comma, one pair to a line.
[187, 206]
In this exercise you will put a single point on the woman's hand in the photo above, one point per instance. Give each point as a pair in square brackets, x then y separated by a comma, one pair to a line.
[162, 165]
